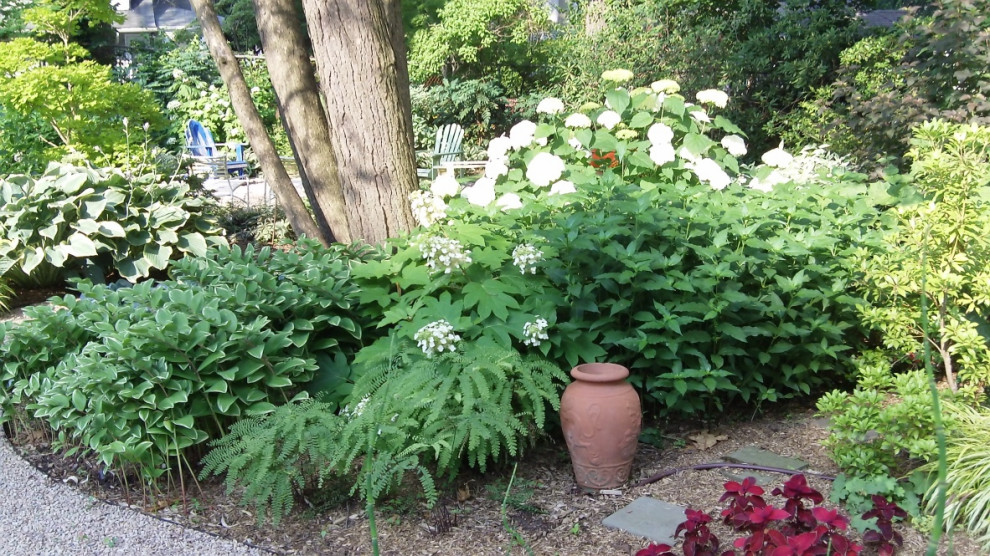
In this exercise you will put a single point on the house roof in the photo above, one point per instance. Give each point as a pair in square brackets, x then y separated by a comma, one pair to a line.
[155, 15]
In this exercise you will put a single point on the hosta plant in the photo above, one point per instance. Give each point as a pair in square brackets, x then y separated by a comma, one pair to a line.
[73, 220]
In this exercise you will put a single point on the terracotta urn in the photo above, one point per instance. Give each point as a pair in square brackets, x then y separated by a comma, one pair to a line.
[601, 417]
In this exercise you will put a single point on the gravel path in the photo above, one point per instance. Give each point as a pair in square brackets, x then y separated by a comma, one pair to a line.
[40, 517]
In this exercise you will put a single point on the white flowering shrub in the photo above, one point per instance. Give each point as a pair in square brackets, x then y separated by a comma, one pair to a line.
[437, 337]
[444, 254]
[526, 256]
[427, 207]
[715, 280]
[535, 332]
[647, 135]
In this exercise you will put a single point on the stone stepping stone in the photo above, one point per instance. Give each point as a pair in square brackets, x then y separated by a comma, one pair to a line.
[755, 456]
[648, 517]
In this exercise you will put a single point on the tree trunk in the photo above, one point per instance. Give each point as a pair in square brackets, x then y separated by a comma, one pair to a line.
[247, 114]
[594, 17]
[293, 77]
[360, 59]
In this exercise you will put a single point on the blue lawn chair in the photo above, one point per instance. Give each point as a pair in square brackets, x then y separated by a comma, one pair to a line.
[208, 158]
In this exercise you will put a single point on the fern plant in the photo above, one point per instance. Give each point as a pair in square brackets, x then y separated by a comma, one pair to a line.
[406, 415]
[277, 456]
[478, 404]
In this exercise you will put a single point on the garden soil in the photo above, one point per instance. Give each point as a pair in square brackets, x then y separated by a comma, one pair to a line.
[545, 514]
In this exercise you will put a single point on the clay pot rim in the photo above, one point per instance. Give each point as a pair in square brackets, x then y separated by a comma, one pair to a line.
[599, 372]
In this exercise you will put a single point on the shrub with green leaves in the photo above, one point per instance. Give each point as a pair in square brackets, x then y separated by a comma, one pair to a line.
[471, 282]
[710, 279]
[480, 38]
[76, 220]
[142, 375]
[939, 256]
[885, 427]
[477, 105]
[771, 55]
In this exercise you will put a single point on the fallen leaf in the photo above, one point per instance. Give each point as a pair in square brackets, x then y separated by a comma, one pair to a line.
[463, 493]
[705, 440]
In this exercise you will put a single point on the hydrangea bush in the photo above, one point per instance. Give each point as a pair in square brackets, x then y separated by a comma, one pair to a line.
[636, 231]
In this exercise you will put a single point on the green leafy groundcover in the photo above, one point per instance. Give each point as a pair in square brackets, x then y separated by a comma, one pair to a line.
[140, 375]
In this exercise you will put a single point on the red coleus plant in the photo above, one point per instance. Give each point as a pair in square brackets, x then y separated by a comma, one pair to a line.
[796, 490]
[794, 530]
[743, 498]
[884, 538]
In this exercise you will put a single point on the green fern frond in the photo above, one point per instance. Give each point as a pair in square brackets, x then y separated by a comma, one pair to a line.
[275, 457]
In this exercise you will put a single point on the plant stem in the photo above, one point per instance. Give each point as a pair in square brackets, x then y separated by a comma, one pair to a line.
[937, 411]
[720, 465]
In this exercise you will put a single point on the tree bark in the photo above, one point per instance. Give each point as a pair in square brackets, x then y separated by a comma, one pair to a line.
[247, 114]
[293, 76]
[360, 59]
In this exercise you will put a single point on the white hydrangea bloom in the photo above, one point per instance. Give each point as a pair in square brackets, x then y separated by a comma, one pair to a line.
[577, 120]
[767, 184]
[713, 96]
[427, 207]
[687, 155]
[734, 144]
[701, 116]
[445, 185]
[521, 134]
[173, 104]
[550, 105]
[710, 172]
[576, 143]
[562, 187]
[444, 254]
[525, 256]
[544, 168]
[482, 193]
[496, 167]
[777, 158]
[660, 134]
[810, 163]
[609, 119]
[668, 86]
[509, 201]
[535, 332]
[437, 337]
[662, 154]
[618, 75]
[498, 148]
